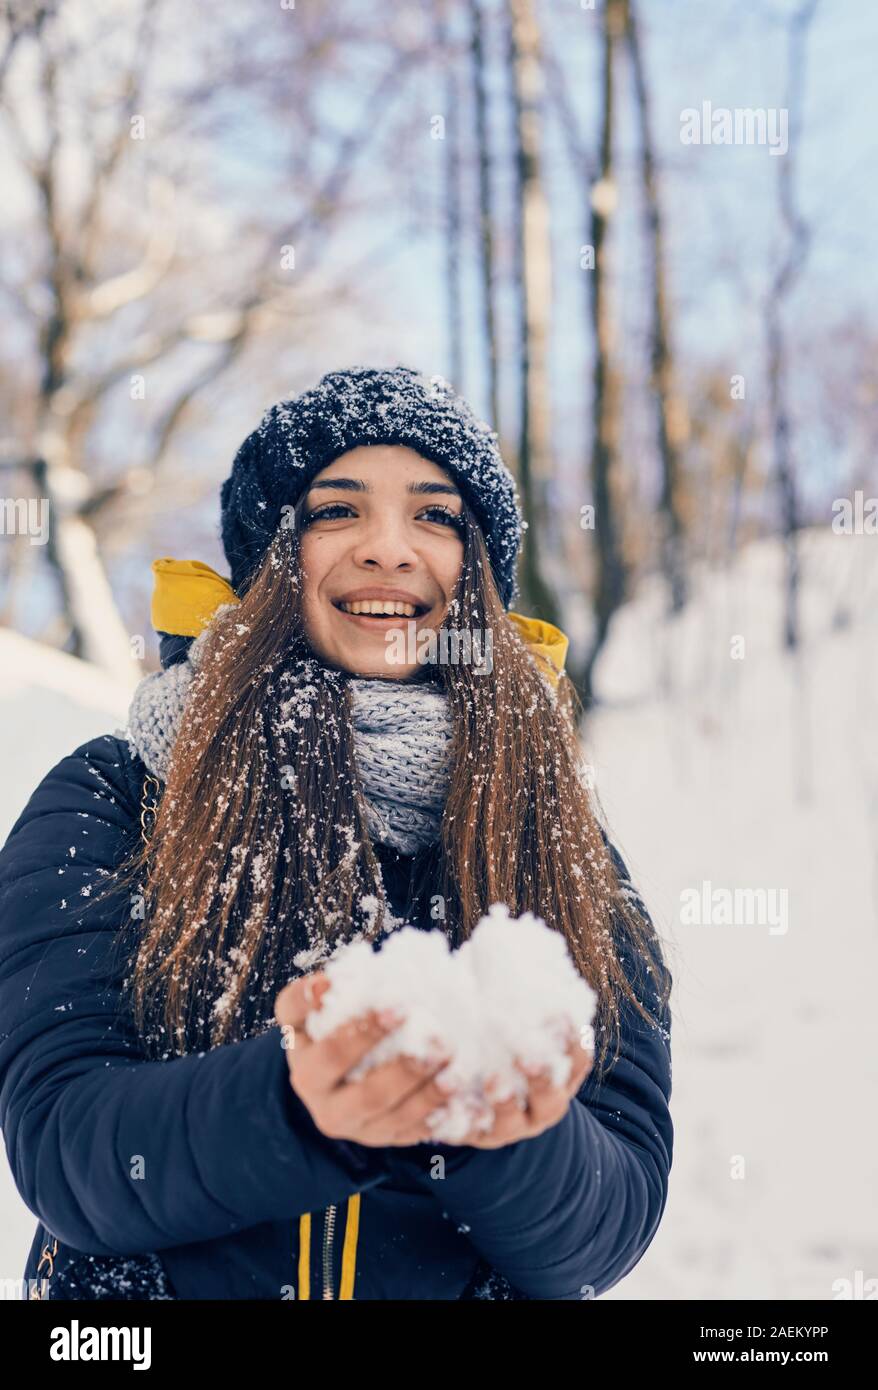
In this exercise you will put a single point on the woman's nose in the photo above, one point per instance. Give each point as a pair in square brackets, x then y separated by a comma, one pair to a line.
[385, 543]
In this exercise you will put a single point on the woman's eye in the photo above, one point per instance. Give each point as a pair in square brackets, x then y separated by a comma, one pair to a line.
[332, 510]
[325, 513]
[447, 516]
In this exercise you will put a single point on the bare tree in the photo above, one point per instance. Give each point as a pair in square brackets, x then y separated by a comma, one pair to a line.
[671, 415]
[114, 284]
[611, 579]
[534, 284]
[726, 476]
[451, 209]
[783, 283]
[486, 210]
[583, 159]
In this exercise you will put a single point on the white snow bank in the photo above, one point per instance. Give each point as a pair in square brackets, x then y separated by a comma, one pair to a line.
[49, 703]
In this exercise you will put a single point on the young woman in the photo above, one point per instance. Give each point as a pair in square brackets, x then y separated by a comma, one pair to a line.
[305, 770]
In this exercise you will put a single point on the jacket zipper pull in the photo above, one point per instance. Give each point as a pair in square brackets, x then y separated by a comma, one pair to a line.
[328, 1237]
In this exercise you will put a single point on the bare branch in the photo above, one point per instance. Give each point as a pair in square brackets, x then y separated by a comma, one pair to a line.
[352, 144]
[103, 300]
[21, 20]
[105, 167]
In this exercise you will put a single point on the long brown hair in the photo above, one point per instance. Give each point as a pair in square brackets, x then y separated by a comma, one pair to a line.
[260, 859]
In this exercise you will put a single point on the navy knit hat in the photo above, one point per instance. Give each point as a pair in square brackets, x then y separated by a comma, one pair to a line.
[299, 437]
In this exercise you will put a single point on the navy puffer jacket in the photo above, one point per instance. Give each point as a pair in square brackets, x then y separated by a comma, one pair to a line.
[212, 1166]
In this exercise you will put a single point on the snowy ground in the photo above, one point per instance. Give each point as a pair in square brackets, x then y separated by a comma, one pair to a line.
[759, 773]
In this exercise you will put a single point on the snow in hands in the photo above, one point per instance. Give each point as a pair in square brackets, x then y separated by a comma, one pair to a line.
[510, 995]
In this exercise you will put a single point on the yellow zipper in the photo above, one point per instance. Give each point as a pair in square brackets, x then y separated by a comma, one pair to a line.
[348, 1254]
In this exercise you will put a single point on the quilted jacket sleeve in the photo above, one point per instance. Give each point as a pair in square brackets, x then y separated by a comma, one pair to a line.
[569, 1213]
[114, 1153]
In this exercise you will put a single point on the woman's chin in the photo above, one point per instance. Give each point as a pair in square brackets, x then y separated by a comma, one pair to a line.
[373, 671]
[360, 662]
[366, 654]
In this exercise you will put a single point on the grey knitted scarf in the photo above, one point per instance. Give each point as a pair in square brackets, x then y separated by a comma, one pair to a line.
[402, 737]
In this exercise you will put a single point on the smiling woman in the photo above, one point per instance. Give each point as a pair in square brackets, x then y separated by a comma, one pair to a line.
[382, 553]
[283, 789]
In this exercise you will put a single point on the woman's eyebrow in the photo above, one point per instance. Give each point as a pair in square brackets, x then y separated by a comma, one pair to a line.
[427, 487]
[358, 485]
[346, 484]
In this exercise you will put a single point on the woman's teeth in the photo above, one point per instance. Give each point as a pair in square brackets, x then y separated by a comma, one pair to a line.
[380, 607]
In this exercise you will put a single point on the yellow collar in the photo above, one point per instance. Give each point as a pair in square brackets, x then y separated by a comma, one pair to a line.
[187, 593]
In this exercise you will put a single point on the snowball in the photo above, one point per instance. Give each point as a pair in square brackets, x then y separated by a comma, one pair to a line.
[510, 992]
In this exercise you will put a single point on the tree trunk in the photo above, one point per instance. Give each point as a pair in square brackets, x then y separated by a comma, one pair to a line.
[486, 211]
[672, 421]
[784, 280]
[97, 632]
[611, 579]
[451, 150]
[533, 254]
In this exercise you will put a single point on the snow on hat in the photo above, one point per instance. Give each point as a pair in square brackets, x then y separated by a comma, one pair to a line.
[362, 405]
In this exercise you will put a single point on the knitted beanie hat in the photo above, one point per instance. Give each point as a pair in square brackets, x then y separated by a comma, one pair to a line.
[299, 437]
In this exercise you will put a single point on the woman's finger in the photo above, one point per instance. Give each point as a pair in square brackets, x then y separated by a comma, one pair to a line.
[410, 1116]
[583, 1061]
[327, 1063]
[377, 1094]
[546, 1104]
[421, 1092]
[510, 1120]
[291, 1008]
[297, 998]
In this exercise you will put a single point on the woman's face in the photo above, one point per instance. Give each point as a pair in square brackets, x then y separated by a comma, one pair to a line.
[378, 525]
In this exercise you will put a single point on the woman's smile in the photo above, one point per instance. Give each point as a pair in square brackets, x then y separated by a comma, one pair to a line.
[375, 609]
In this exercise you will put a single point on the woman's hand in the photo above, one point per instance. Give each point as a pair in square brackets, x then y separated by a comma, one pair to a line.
[387, 1107]
[544, 1107]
